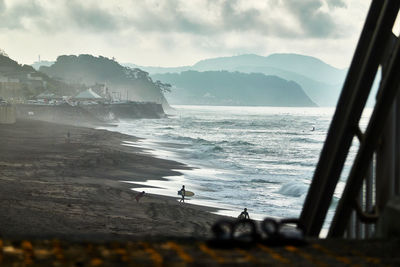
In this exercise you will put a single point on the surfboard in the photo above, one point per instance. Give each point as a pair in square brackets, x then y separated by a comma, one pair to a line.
[187, 193]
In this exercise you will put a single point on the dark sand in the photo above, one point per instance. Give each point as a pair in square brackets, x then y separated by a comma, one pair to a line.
[52, 188]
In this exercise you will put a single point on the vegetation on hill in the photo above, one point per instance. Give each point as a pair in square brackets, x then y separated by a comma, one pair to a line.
[233, 88]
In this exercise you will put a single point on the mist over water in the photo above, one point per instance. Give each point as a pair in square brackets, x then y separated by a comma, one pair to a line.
[262, 158]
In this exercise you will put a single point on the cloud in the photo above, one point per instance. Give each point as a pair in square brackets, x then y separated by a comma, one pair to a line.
[176, 30]
[19, 15]
[313, 20]
[2, 6]
[336, 3]
[285, 18]
[90, 16]
[237, 19]
[277, 17]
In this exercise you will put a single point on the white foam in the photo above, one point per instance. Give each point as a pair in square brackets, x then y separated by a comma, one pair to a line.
[293, 189]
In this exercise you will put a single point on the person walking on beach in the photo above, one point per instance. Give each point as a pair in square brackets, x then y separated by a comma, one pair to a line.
[68, 137]
[139, 196]
[183, 192]
[244, 214]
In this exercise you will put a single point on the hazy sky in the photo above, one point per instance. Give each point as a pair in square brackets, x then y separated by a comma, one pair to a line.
[180, 32]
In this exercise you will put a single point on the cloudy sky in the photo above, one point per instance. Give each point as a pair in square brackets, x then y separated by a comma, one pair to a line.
[180, 32]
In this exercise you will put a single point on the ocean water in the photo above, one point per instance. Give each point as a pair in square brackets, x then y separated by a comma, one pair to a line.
[259, 158]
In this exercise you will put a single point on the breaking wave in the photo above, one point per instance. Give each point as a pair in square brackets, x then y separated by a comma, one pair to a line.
[293, 189]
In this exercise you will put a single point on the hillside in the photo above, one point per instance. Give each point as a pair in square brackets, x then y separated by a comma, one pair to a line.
[22, 82]
[320, 81]
[233, 88]
[124, 82]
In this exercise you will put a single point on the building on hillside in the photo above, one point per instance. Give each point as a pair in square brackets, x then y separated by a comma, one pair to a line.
[33, 77]
[10, 88]
[35, 81]
[18, 85]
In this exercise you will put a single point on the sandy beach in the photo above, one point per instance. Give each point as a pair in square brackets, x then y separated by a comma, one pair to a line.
[52, 186]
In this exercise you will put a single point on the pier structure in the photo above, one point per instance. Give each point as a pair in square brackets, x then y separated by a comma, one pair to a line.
[369, 202]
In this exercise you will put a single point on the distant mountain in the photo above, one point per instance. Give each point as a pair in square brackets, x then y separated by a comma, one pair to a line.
[133, 84]
[153, 70]
[24, 82]
[307, 66]
[232, 88]
[320, 81]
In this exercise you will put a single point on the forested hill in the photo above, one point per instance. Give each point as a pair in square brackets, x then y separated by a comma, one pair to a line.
[132, 84]
[233, 88]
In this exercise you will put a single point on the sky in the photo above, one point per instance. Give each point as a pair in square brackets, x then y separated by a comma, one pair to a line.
[180, 32]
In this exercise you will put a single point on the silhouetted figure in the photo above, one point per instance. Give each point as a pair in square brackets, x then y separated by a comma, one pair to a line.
[139, 196]
[183, 192]
[244, 214]
[68, 137]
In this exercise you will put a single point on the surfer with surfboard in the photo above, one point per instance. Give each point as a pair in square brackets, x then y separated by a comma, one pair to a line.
[244, 214]
[183, 193]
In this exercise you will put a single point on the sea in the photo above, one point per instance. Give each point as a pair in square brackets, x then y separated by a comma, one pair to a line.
[259, 158]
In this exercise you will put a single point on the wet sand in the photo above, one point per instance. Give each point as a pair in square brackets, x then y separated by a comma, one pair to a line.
[55, 187]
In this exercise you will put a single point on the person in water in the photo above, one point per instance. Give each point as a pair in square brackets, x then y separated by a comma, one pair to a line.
[139, 196]
[244, 214]
[183, 192]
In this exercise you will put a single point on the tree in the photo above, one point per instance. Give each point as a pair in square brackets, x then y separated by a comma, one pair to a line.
[164, 87]
[3, 53]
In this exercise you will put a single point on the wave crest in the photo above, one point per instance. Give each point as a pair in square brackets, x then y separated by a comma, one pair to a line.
[293, 189]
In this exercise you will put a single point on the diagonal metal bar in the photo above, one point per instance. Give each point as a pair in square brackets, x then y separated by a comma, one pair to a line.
[310, 204]
[389, 89]
[356, 88]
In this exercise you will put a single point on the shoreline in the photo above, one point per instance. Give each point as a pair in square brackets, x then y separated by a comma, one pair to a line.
[170, 184]
[54, 187]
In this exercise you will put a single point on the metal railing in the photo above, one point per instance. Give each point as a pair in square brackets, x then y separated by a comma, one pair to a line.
[382, 181]
[374, 176]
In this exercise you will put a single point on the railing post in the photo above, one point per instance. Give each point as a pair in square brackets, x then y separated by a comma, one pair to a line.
[369, 185]
[397, 146]
[385, 165]
[359, 225]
